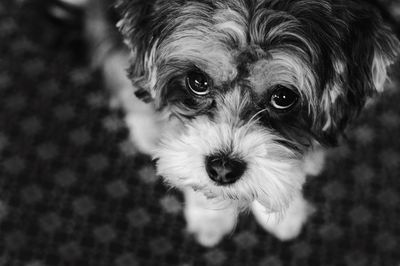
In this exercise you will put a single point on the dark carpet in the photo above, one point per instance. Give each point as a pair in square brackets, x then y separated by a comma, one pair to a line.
[73, 193]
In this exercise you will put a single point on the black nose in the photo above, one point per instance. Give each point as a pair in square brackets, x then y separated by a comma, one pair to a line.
[224, 170]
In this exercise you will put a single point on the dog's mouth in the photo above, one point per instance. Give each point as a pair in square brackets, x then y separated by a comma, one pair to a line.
[273, 189]
[209, 194]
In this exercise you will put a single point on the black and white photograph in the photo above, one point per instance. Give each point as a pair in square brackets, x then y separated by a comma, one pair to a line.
[208, 132]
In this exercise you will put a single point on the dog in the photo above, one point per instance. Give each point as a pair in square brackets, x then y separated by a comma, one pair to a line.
[240, 99]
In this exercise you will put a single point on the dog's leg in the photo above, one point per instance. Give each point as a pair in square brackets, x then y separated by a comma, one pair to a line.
[288, 225]
[208, 221]
[284, 226]
[140, 117]
[111, 57]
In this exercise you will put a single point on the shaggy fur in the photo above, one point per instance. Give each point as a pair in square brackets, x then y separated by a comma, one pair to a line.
[331, 54]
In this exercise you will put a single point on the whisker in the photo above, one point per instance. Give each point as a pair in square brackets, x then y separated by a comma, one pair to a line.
[254, 116]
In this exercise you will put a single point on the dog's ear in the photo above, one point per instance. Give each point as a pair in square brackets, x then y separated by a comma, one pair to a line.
[144, 24]
[368, 48]
[136, 26]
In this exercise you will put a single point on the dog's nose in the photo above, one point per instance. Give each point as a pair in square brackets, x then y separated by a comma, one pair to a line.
[224, 170]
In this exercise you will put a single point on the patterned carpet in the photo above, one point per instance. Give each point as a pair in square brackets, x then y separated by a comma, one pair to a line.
[73, 193]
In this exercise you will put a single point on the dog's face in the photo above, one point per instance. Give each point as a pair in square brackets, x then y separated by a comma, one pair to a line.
[247, 88]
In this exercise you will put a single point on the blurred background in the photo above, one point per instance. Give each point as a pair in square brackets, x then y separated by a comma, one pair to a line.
[74, 192]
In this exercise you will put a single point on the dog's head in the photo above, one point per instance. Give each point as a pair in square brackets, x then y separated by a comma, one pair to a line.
[248, 87]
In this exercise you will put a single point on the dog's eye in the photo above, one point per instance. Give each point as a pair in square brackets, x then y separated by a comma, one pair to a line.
[282, 98]
[198, 83]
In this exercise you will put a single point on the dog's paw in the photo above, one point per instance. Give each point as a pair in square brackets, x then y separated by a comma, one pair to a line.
[285, 226]
[208, 223]
[209, 228]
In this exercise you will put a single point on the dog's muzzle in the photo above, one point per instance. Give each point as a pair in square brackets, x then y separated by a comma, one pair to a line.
[224, 170]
